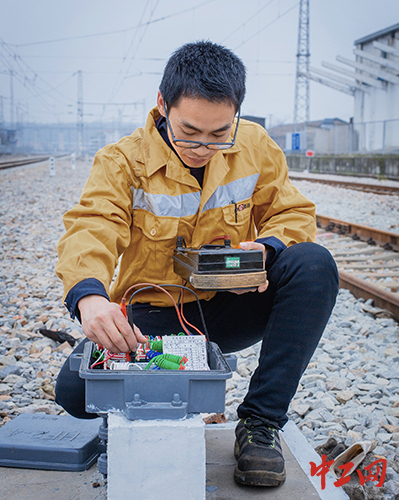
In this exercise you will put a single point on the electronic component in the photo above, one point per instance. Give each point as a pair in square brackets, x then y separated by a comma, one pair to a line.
[171, 352]
[219, 267]
[183, 351]
[192, 347]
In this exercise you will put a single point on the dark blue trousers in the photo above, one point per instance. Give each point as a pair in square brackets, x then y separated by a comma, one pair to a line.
[289, 318]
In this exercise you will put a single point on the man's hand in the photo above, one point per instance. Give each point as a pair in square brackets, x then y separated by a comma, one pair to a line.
[104, 323]
[252, 245]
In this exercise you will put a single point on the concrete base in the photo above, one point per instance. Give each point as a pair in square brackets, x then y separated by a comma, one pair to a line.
[150, 459]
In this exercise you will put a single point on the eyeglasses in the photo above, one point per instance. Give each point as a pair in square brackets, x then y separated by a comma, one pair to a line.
[196, 144]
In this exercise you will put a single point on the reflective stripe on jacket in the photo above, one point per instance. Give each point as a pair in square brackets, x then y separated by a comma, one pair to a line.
[139, 197]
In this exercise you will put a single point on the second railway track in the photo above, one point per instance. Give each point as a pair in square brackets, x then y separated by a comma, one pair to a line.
[350, 184]
[21, 162]
[367, 260]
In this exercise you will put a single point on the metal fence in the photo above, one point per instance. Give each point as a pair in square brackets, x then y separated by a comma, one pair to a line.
[380, 166]
[378, 136]
[338, 137]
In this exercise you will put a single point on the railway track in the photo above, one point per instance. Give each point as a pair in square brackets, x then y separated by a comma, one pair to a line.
[20, 162]
[358, 186]
[367, 260]
[386, 239]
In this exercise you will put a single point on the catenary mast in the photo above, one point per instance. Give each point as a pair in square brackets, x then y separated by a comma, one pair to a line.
[301, 104]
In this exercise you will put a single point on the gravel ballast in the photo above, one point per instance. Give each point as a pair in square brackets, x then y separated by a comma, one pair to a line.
[369, 209]
[349, 391]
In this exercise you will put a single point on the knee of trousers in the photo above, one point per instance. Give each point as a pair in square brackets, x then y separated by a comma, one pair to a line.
[309, 261]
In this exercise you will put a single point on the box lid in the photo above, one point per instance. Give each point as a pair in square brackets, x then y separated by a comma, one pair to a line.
[52, 442]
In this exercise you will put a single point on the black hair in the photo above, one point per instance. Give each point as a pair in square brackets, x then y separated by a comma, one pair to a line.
[206, 70]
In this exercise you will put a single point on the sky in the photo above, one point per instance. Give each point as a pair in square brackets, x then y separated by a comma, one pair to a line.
[121, 48]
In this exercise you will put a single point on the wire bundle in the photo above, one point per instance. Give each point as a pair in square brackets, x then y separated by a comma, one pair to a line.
[127, 309]
[152, 349]
[167, 362]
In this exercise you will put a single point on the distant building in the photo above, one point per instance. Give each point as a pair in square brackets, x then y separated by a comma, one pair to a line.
[373, 80]
[256, 119]
[376, 112]
[61, 138]
[328, 136]
[8, 140]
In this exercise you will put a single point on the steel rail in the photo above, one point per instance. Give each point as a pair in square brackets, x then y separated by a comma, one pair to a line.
[358, 186]
[361, 288]
[20, 162]
[386, 239]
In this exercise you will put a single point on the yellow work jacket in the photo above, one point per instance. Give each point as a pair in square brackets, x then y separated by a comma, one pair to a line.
[139, 197]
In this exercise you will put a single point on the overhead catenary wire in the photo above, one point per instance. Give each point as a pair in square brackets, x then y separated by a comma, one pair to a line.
[247, 21]
[60, 56]
[31, 89]
[125, 55]
[52, 102]
[113, 32]
[118, 83]
[31, 77]
[27, 79]
[46, 91]
[279, 16]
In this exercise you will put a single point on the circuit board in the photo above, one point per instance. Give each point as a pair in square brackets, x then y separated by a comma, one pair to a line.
[171, 352]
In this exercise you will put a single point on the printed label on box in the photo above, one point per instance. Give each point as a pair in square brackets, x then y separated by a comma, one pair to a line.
[193, 347]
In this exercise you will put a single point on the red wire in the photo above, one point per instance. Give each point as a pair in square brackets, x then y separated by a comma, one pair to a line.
[221, 237]
[101, 361]
[163, 290]
[181, 312]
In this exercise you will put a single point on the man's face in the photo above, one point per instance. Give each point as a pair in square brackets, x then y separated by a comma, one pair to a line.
[198, 120]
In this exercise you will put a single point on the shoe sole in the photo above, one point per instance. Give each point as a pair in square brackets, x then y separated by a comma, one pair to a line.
[255, 477]
[259, 478]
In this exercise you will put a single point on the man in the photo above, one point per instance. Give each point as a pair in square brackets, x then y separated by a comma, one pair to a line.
[195, 170]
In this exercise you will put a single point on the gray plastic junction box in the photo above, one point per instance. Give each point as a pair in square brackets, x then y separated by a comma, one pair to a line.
[154, 394]
[50, 442]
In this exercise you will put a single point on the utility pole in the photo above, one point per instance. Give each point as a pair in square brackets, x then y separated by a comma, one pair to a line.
[12, 123]
[80, 113]
[270, 121]
[1, 112]
[301, 105]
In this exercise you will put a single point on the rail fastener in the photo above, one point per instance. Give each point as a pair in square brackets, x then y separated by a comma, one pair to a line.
[386, 239]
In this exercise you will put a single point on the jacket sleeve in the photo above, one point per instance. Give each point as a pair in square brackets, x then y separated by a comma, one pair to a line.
[280, 210]
[98, 227]
[89, 286]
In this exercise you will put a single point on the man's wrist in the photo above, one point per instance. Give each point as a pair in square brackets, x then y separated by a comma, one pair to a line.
[88, 301]
[88, 286]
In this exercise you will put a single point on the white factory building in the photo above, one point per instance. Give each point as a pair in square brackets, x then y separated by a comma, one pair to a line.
[372, 78]
[376, 108]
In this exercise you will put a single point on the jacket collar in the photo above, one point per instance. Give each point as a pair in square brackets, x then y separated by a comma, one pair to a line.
[154, 158]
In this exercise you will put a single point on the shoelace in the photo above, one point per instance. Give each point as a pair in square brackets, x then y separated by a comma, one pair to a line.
[260, 431]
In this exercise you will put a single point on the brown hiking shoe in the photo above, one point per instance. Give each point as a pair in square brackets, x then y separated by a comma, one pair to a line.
[258, 452]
